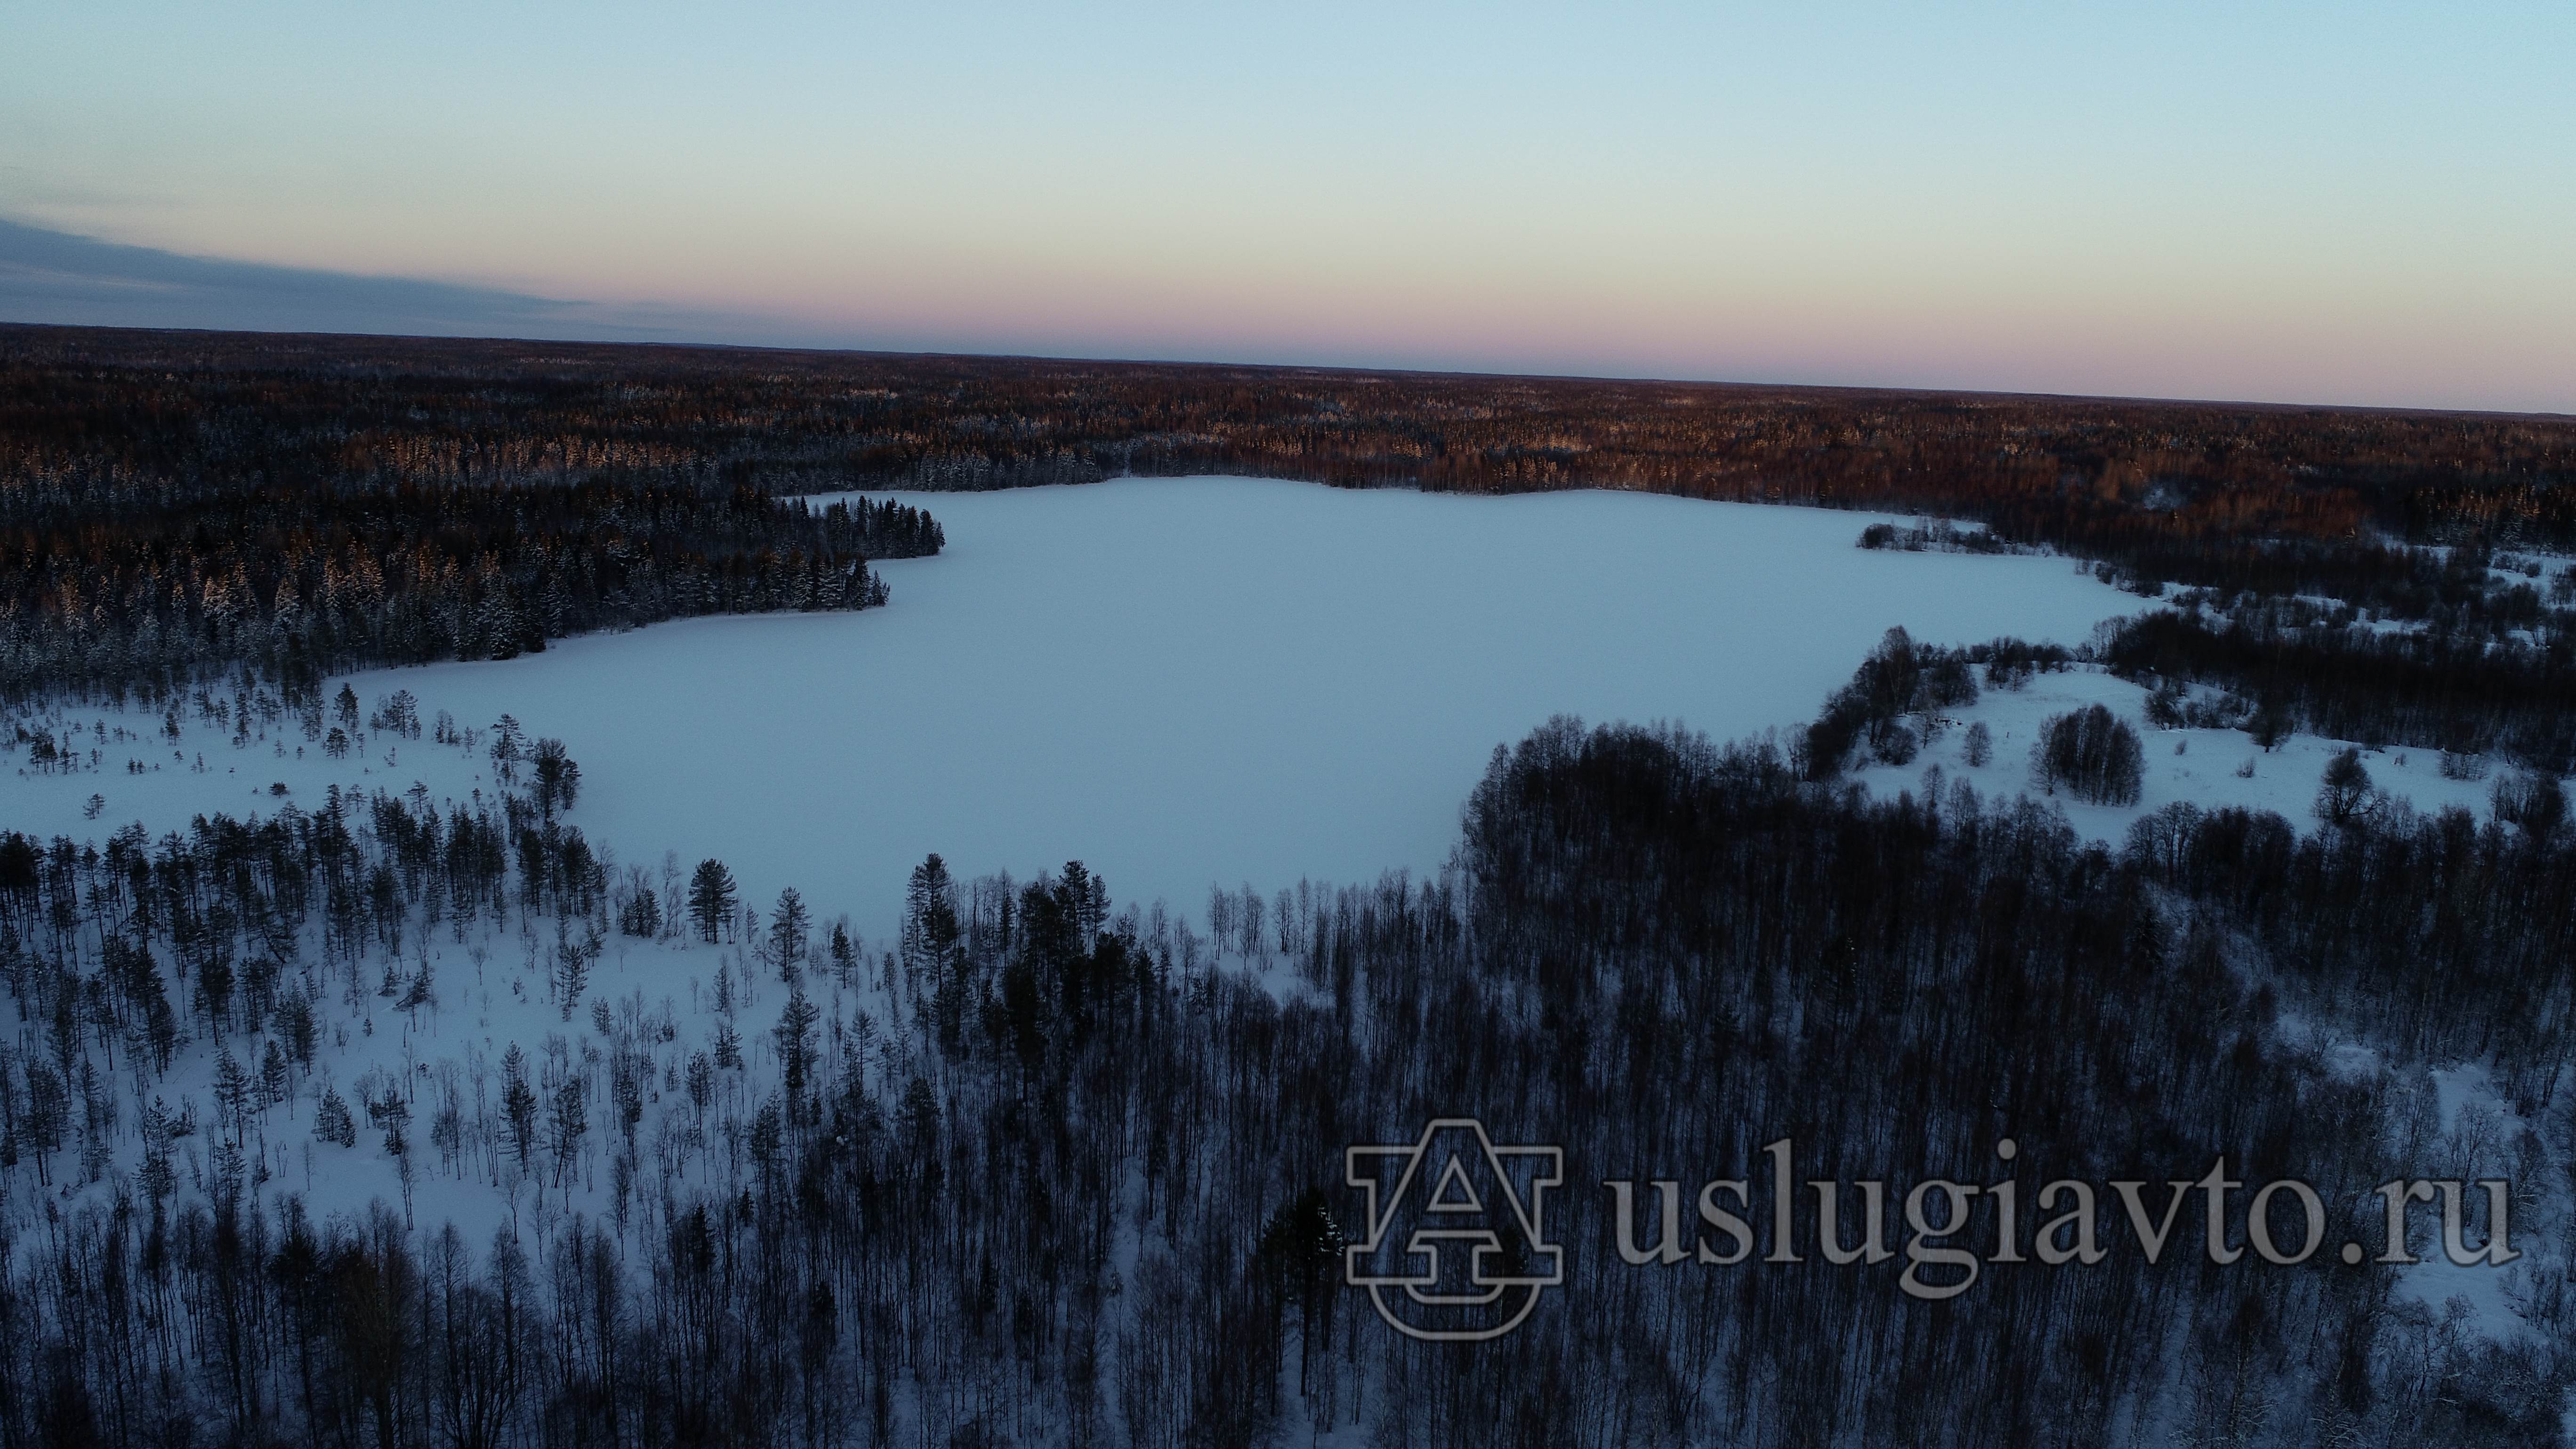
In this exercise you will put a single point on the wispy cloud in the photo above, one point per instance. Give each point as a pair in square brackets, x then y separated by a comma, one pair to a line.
[58, 277]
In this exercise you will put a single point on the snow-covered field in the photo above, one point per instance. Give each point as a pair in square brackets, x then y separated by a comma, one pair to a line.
[1179, 681]
[2205, 767]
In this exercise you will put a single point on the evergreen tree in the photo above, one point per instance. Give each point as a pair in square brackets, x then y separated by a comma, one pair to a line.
[795, 1034]
[233, 1092]
[558, 777]
[507, 751]
[845, 955]
[518, 1104]
[571, 974]
[332, 1122]
[566, 1124]
[930, 926]
[272, 1074]
[711, 898]
[788, 924]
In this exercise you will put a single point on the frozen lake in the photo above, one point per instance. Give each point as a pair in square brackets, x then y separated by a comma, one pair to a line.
[1179, 681]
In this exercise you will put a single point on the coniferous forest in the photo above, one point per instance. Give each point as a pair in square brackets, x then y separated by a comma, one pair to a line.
[1052, 1167]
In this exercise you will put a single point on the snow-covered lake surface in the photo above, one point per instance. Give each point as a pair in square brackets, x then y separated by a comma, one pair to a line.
[1178, 681]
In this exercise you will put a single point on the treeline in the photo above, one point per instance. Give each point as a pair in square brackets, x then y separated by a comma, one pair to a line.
[2274, 499]
[2464, 690]
[1895, 699]
[113, 582]
[1057, 1172]
[2473, 688]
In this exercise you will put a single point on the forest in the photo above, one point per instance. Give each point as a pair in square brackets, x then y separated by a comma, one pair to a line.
[286, 523]
[2468, 692]
[112, 588]
[384, 1122]
[1059, 1170]
[2275, 499]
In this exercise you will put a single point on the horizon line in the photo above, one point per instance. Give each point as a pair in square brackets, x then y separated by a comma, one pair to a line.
[1348, 369]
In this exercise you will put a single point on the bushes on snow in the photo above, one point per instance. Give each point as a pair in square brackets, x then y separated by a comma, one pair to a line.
[2092, 753]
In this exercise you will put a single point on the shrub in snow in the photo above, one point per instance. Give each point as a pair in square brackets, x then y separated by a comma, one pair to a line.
[2344, 795]
[2270, 724]
[2091, 752]
[1979, 747]
[2532, 800]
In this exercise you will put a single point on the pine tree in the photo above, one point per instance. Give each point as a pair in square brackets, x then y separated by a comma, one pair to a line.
[394, 1115]
[232, 1091]
[518, 1104]
[506, 750]
[566, 1125]
[642, 914]
[788, 923]
[332, 1122]
[930, 928]
[558, 777]
[571, 974]
[845, 956]
[272, 1075]
[295, 1018]
[711, 898]
[796, 1048]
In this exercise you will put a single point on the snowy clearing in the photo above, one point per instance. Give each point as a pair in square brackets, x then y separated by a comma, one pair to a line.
[2200, 766]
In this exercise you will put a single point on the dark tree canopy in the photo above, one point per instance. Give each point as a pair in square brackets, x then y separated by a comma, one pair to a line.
[2093, 754]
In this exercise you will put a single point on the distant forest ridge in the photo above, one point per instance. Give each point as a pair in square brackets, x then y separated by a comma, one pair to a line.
[106, 434]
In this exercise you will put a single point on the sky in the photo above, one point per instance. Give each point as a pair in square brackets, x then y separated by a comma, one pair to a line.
[2351, 203]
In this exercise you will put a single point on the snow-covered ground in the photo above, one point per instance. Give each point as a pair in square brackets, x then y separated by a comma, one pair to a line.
[1183, 682]
[2201, 766]
[1179, 681]
[2478, 1132]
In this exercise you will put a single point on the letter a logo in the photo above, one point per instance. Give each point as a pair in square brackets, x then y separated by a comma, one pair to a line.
[1455, 1250]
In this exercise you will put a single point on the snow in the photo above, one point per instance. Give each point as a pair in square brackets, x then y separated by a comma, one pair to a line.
[234, 780]
[1179, 681]
[2284, 780]
[2486, 1300]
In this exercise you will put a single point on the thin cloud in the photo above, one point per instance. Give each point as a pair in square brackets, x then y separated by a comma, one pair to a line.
[59, 277]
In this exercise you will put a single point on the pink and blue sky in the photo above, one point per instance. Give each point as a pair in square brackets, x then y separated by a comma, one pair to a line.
[2354, 203]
